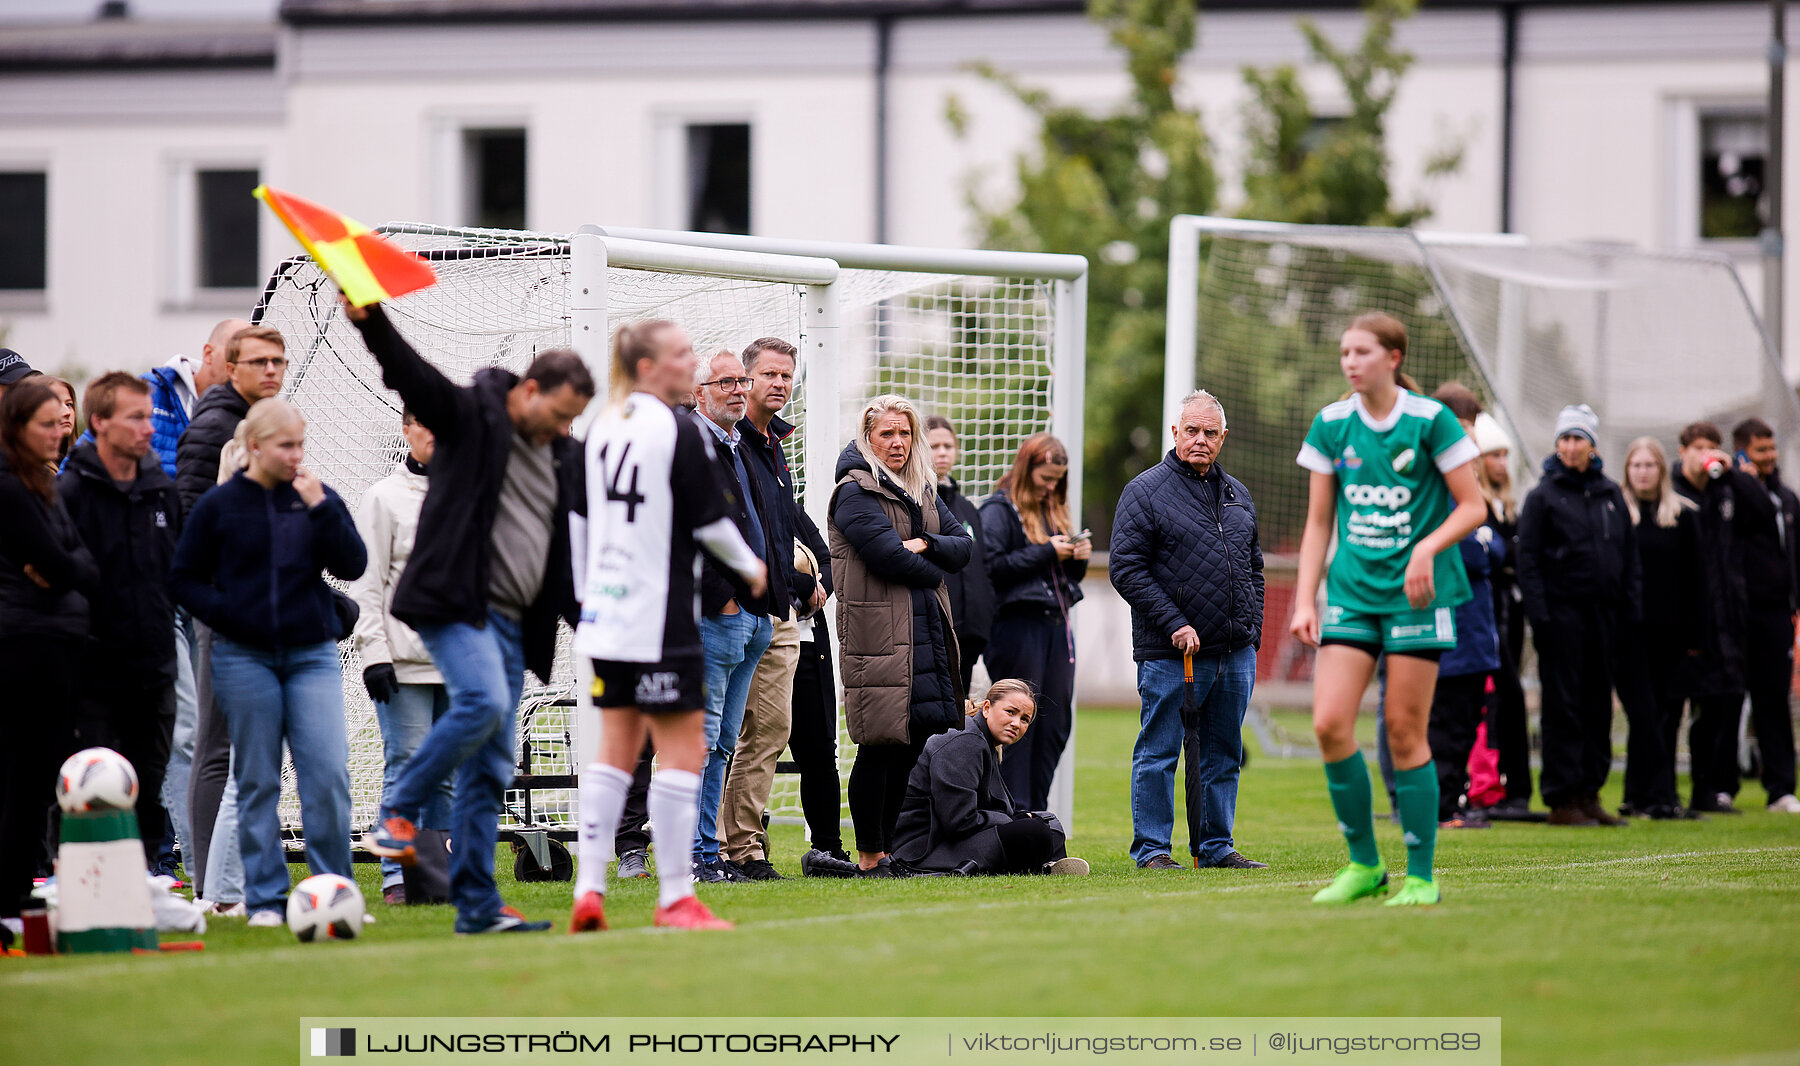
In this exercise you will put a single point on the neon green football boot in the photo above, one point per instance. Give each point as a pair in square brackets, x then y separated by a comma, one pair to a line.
[1416, 892]
[1354, 882]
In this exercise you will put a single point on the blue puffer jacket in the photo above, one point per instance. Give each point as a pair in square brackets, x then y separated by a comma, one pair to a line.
[167, 413]
[1477, 648]
[1185, 553]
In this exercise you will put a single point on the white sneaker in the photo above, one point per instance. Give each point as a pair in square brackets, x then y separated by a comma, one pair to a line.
[1069, 867]
[1786, 805]
[228, 910]
[266, 919]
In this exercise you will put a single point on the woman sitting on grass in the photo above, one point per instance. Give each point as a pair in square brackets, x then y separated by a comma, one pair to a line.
[958, 817]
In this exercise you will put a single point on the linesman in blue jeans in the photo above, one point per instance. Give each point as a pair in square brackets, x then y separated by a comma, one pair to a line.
[488, 577]
[1185, 556]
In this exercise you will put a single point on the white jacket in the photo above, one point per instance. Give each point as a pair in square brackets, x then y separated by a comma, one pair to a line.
[388, 518]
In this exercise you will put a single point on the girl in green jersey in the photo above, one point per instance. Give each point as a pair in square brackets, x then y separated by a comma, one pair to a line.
[1393, 476]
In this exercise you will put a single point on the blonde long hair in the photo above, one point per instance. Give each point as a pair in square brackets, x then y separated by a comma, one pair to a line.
[1041, 516]
[916, 477]
[1669, 503]
[632, 342]
[267, 417]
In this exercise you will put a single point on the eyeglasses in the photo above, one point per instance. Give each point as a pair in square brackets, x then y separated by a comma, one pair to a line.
[730, 384]
[264, 364]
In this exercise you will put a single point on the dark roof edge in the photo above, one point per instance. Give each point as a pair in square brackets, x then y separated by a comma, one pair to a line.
[87, 63]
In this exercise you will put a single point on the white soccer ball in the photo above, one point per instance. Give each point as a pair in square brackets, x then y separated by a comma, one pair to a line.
[325, 907]
[96, 779]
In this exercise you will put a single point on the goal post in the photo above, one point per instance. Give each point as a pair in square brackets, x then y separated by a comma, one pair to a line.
[1651, 340]
[992, 340]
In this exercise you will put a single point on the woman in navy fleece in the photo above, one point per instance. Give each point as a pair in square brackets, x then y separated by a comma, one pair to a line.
[248, 566]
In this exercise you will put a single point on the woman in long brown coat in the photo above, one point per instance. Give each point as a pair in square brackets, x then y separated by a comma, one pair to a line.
[892, 542]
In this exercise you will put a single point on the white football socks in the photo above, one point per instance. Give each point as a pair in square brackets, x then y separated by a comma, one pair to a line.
[603, 790]
[674, 811]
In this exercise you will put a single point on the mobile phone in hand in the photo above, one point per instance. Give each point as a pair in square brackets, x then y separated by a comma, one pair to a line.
[1086, 534]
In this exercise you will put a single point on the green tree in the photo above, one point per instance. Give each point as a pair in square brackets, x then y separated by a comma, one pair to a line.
[1105, 186]
[1301, 167]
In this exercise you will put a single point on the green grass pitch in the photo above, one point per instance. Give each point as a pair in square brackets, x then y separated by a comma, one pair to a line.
[1658, 943]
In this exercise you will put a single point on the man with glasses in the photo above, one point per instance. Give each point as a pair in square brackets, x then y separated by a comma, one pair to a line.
[255, 365]
[770, 362]
[734, 622]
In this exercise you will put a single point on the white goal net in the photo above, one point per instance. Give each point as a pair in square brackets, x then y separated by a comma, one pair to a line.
[991, 350]
[1652, 341]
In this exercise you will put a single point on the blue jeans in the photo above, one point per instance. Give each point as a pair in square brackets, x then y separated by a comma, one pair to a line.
[296, 695]
[181, 743]
[1222, 685]
[484, 672]
[404, 725]
[734, 645]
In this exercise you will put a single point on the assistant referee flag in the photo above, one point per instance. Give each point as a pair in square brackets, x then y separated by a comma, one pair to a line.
[367, 268]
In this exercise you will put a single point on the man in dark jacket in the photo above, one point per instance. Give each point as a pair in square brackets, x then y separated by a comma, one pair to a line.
[129, 516]
[1580, 575]
[1185, 556]
[256, 364]
[1718, 678]
[1767, 524]
[769, 362]
[735, 626]
[488, 578]
[971, 593]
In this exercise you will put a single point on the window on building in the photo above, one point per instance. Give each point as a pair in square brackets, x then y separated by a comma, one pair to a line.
[494, 176]
[718, 178]
[229, 252]
[1734, 147]
[23, 228]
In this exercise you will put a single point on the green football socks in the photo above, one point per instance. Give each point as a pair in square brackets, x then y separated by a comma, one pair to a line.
[1416, 794]
[1348, 780]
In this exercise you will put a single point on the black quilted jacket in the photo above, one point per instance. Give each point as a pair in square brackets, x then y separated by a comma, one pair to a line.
[1185, 553]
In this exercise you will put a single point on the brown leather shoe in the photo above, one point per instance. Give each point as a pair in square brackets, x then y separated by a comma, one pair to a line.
[1571, 814]
[1591, 807]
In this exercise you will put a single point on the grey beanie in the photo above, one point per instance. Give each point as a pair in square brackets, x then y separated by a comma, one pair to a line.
[1580, 419]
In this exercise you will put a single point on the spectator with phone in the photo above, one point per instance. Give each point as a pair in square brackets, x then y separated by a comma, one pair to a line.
[1186, 557]
[1036, 560]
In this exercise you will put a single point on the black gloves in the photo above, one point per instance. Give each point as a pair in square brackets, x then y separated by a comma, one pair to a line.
[381, 681]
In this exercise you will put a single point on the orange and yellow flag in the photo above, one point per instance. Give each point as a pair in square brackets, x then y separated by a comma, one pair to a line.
[367, 268]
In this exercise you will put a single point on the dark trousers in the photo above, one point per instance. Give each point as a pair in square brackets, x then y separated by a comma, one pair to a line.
[971, 648]
[1654, 657]
[40, 677]
[633, 834]
[1456, 711]
[137, 721]
[1029, 843]
[813, 738]
[1578, 663]
[1770, 673]
[1712, 738]
[212, 759]
[1033, 645]
[1509, 726]
[877, 789]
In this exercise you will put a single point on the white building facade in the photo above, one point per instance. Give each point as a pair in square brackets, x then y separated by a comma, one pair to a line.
[132, 139]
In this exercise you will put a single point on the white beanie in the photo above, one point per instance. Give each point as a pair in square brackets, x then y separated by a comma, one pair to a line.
[1580, 419]
[1489, 436]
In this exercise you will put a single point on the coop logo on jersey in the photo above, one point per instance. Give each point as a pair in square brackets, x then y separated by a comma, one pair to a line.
[1390, 496]
[1349, 460]
[1404, 461]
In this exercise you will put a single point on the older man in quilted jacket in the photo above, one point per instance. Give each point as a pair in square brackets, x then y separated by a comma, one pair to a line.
[1185, 557]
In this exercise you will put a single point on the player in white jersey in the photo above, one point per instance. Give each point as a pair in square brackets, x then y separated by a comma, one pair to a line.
[654, 493]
